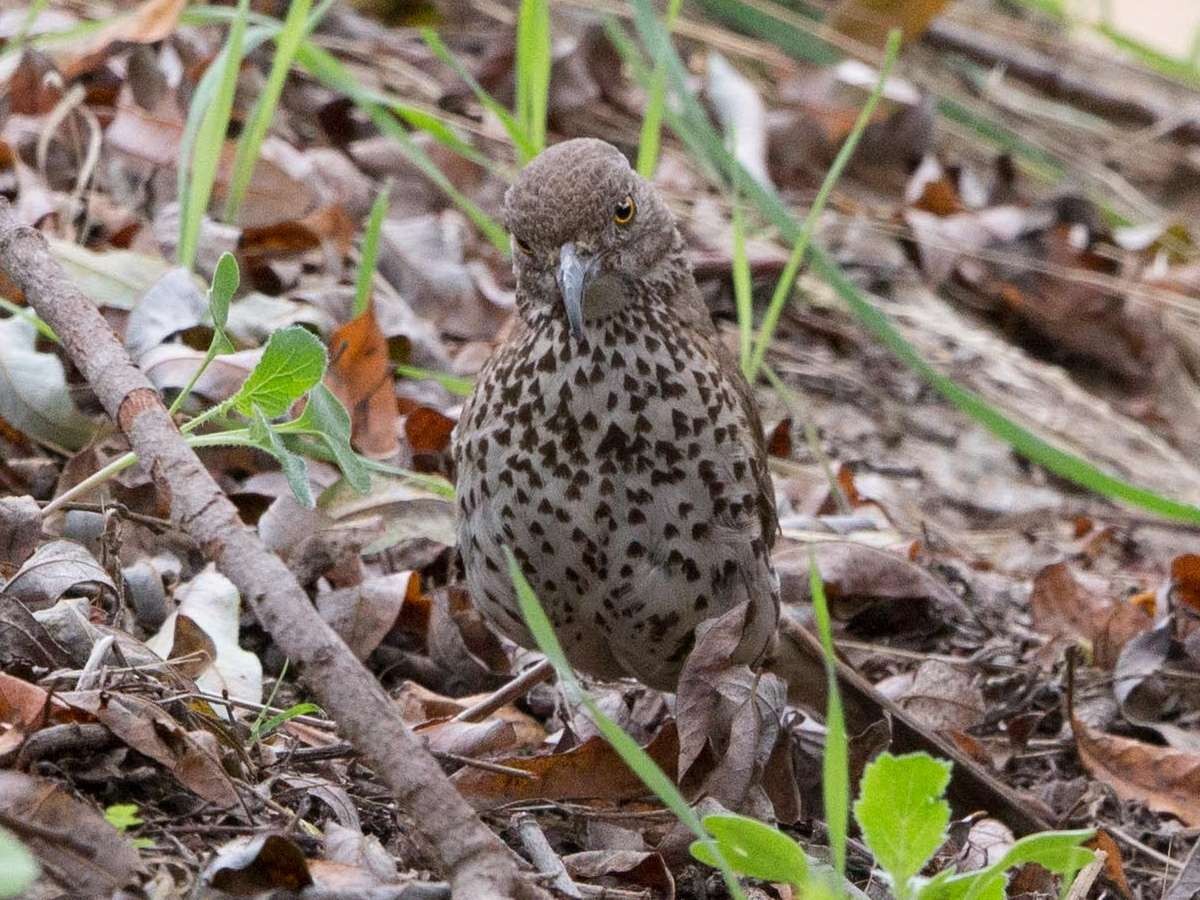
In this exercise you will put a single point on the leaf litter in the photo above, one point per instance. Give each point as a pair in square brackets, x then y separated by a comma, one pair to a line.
[1049, 634]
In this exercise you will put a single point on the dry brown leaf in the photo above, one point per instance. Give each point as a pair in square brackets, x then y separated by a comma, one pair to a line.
[1070, 603]
[1165, 779]
[591, 771]
[146, 728]
[328, 225]
[364, 613]
[360, 374]
[621, 868]
[944, 697]
[90, 858]
[272, 196]
[149, 23]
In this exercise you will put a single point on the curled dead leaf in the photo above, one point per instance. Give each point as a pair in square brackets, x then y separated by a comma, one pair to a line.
[1165, 779]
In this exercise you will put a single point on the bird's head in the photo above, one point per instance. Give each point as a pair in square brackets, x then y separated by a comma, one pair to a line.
[586, 231]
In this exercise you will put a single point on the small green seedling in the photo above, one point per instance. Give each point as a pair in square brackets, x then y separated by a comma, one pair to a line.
[123, 816]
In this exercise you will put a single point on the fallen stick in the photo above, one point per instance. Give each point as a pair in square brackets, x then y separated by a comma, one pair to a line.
[476, 862]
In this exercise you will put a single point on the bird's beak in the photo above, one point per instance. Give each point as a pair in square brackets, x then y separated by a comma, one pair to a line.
[574, 273]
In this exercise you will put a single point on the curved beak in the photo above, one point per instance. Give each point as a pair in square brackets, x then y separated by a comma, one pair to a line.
[574, 273]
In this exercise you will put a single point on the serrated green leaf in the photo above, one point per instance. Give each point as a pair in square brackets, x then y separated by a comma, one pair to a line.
[753, 848]
[292, 364]
[18, 868]
[324, 417]
[224, 283]
[295, 469]
[902, 812]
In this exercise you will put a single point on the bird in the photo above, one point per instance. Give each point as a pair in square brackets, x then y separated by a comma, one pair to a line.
[611, 442]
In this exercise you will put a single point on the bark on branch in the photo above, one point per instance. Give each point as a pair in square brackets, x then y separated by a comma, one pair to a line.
[476, 861]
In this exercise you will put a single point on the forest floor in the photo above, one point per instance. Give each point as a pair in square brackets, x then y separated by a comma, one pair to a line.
[1019, 215]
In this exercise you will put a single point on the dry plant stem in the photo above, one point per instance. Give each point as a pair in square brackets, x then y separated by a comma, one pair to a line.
[476, 861]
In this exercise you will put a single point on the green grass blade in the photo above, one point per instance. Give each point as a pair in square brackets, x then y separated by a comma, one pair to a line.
[626, 747]
[210, 140]
[370, 251]
[332, 73]
[835, 767]
[651, 136]
[514, 129]
[743, 293]
[295, 28]
[533, 60]
[703, 141]
[455, 384]
[783, 288]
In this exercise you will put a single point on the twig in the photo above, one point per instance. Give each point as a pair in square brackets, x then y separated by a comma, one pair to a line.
[543, 857]
[518, 687]
[476, 861]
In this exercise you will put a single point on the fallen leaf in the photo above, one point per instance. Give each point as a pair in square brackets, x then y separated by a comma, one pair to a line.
[34, 397]
[149, 730]
[55, 568]
[621, 868]
[257, 864]
[363, 614]
[590, 771]
[1165, 779]
[90, 857]
[149, 23]
[943, 697]
[360, 374]
[213, 604]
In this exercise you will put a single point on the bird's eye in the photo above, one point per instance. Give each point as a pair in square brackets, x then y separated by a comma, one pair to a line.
[624, 211]
[523, 247]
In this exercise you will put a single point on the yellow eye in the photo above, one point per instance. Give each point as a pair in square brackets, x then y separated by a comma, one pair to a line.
[625, 211]
[522, 246]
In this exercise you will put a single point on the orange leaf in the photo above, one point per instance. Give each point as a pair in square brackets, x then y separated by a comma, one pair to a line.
[427, 430]
[360, 374]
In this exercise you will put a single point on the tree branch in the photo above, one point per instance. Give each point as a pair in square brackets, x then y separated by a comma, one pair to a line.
[477, 862]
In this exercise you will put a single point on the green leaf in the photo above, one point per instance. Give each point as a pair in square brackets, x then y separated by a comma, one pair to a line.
[292, 364]
[328, 70]
[210, 139]
[783, 287]
[370, 251]
[1060, 852]
[266, 726]
[455, 384]
[295, 28]
[626, 747]
[903, 814]
[754, 849]
[122, 816]
[18, 868]
[225, 282]
[514, 129]
[651, 136]
[324, 417]
[294, 467]
[691, 123]
[835, 766]
[533, 59]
